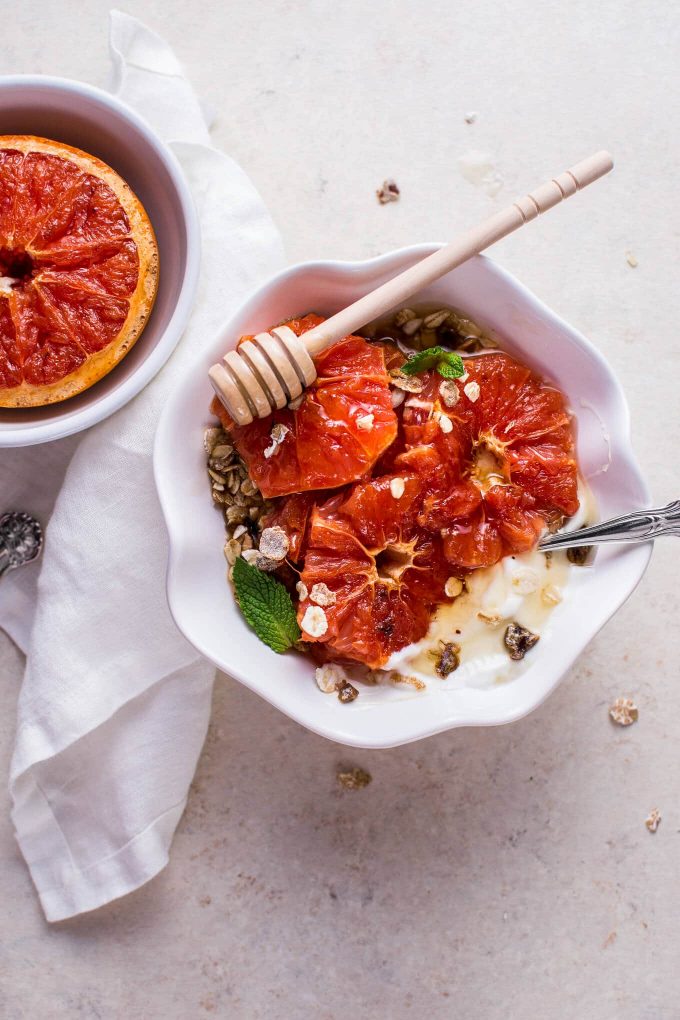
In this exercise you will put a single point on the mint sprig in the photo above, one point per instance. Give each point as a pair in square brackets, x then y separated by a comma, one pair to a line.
[266, 606]
[448, 364]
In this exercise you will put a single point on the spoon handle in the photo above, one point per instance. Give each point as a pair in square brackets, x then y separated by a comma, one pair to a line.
[638, 526]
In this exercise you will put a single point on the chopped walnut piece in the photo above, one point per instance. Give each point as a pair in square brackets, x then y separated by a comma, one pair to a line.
[321, 595]
[653, 820]
[314, 621]
[277, 436]
[330, 678]
[579, 554]
[471, 391]
[518, 640]
[354, 779]
[301, 589]
[624, 711]
[274, 543]
[256, 559]
[347, 693]
[389, 192]
[447, 659]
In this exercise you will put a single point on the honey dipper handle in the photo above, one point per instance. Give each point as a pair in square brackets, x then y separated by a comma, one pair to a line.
[473, 241]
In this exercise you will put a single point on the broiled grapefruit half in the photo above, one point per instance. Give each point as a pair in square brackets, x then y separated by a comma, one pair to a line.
[78, 270]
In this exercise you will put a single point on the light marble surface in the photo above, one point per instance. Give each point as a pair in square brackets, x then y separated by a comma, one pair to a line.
[490, 873]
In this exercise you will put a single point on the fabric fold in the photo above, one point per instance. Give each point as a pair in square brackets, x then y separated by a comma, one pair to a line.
[114, 704]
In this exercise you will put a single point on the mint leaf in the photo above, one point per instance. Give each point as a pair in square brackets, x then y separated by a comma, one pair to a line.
[266, 606]
[449, 370]
[448, 364]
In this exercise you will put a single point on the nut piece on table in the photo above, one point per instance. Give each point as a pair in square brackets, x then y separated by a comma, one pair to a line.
[624, 712]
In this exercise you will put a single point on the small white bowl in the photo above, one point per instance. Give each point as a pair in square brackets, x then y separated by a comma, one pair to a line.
[202, 602]
[98, 123]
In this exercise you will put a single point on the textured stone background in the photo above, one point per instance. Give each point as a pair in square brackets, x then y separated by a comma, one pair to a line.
[488, 873]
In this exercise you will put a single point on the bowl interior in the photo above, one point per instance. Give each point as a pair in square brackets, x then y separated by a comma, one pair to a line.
[97, 123]
[202, 602]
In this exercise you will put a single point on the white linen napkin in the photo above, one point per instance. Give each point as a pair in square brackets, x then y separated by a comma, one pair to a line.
[114, 704]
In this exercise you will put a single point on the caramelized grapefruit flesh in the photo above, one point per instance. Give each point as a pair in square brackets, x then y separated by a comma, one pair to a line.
[504, 469]
[385, 572]
[78, 270]
[447, 484]
[343, 425]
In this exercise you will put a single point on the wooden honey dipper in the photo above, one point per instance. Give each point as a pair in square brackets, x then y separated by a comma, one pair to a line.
[274, 368]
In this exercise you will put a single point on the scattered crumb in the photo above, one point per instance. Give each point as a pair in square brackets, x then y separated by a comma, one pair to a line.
[365, 422]
[347, 693]
[301, 589]
[453, 587]
[491, 617]
[624, 712]
[314, 621]
[610, 940]
[631, 260]
[205, 901]
[470, 117]
[389, 192]
[397, 487]
[354, 779]
[525, 581]
[277, 436]
[330, 678]
[653, 820]
[551, 595]
[321, 595]
[274, 543]
[410, 681]
[471, 391]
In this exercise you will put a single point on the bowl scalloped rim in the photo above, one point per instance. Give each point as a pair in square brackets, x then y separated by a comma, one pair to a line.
[207, 614]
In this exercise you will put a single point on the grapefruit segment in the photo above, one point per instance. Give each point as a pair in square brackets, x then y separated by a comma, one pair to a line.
[78, 270]
[501, 470]
[386, 574]
[336, 435]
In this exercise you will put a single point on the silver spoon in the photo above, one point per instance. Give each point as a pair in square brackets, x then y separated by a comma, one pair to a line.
[638, 526]
[21, 540]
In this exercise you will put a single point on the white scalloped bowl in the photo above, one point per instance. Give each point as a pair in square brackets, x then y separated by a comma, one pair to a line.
[202, 603]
